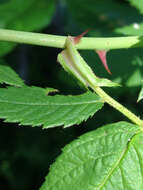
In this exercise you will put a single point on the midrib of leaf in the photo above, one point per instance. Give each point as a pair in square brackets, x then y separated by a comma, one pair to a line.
[123, 153]
[51, 104]
[112, 170]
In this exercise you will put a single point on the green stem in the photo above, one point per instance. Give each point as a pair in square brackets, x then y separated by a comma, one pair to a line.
[59, 41]
[118, 106]
[85, 43]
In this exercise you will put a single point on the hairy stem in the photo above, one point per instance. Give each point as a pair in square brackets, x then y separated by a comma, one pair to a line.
[118, 106]
[59, 41]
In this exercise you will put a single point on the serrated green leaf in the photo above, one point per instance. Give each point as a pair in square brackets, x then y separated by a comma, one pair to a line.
[31, 106]
[27, 15]
[108, 158]
[9, 76]
[73, 63]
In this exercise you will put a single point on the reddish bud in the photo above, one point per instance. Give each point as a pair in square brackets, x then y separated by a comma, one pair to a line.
[102, 56]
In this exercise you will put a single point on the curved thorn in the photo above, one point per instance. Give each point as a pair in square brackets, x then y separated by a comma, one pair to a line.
[78, 38]
[102, 56]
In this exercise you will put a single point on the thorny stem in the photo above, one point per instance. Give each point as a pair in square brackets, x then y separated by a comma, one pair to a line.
[85, 43]
[59, 41]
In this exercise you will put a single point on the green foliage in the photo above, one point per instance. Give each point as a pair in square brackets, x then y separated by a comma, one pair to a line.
[107, 158]
[27, 15]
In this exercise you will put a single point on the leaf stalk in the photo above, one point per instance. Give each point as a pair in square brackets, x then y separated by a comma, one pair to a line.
[108, 99]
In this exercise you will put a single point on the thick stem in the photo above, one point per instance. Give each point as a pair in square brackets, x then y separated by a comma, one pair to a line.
[59, 41]
[118, 106]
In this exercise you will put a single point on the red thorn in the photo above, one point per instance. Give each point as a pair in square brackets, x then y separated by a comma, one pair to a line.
[102, 56]
[78, 38]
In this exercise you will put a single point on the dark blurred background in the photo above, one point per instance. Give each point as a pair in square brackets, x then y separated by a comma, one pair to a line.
[26, 153]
